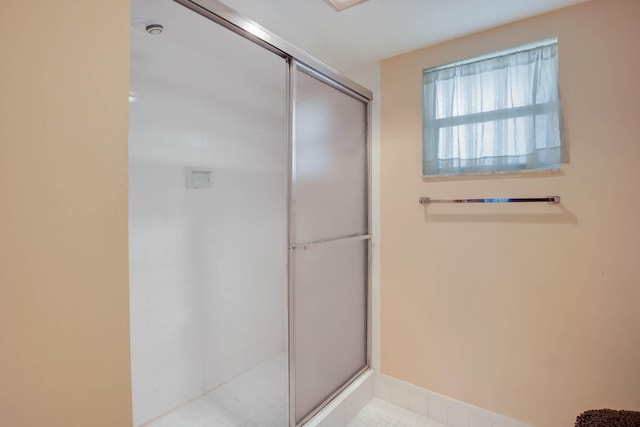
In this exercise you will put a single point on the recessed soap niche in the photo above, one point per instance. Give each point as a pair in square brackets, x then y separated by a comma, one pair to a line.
[197, 177]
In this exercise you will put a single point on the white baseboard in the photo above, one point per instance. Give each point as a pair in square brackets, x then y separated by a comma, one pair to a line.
[441, 408]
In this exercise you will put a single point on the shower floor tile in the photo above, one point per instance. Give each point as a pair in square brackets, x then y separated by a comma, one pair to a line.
[380, 413]
[257, 398]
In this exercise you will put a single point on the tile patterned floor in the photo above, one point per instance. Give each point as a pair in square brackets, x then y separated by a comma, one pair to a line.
[380, 413]
[258, 398]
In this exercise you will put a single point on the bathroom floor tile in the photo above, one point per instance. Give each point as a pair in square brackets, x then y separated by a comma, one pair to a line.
[380, 413]
[258, 398]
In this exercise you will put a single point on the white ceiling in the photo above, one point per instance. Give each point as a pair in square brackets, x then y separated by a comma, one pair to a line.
[378, 29]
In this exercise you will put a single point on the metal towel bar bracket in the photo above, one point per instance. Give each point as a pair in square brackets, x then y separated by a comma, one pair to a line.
[554, 200]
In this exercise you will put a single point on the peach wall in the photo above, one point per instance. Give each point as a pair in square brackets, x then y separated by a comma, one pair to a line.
[64, 322]
[530, 311]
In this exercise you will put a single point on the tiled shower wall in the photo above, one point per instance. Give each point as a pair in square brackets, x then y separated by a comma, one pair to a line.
[208, 289]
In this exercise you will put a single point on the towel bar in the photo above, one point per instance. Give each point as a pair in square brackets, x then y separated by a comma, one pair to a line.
[554, 200]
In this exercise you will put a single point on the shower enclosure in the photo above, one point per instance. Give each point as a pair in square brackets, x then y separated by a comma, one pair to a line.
[249, 222]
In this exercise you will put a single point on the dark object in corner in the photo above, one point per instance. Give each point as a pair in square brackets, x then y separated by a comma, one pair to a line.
[608, 418]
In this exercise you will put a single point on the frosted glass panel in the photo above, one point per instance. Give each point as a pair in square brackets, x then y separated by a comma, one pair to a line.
[329, 279]
[330, 320]
[331, 162]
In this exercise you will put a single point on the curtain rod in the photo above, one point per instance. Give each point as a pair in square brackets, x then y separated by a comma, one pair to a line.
[499, 54]
[554, 200]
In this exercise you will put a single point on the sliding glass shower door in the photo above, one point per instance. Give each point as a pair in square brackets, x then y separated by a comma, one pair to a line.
[329, 239]
[234, 273]
[208, 223]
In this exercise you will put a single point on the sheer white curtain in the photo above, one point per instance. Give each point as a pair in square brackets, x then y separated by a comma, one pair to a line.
[494, 114]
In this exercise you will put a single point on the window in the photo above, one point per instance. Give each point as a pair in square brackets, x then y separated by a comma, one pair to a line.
[494, 113]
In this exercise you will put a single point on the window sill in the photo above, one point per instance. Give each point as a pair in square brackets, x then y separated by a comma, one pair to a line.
[537, 173]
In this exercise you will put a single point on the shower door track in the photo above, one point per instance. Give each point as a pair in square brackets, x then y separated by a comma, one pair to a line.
[229, 18]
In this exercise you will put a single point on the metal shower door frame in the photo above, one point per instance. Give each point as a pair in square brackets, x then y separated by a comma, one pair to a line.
[230, 19]
[296, 59]
[295, 66]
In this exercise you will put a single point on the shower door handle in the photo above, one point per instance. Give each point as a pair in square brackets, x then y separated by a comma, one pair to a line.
[311, 245]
